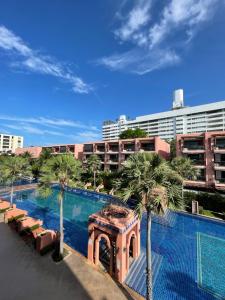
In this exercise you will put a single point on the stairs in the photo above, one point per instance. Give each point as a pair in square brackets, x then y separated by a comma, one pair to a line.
[136, 278]
[168, 219]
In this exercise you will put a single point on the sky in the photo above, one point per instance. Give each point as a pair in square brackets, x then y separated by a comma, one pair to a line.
[66, 66]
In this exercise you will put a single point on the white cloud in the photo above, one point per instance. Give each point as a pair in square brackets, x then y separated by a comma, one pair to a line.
[48, 122]
[186, 15]
[34, 61]
[136, 18]
[89, 135]
[139, 62]
[158, 43]
[33, 130]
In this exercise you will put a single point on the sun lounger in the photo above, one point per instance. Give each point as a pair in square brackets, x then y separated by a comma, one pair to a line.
[4, 205]
[28, 223]
[14, 213]
[46, 240]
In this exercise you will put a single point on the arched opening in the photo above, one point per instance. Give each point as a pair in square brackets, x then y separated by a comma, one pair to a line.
[131, 249]
[103, 252]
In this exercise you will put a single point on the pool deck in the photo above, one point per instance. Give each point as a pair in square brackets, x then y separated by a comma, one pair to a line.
[27, 275]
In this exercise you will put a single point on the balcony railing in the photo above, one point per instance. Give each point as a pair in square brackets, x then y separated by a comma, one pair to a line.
[88, 148]
[220, 144]
[200, 178]
[193, 147]
[221, 180]
[219, 163]
[129, 148]
[100, 149]
[198, 162]
[113, 149]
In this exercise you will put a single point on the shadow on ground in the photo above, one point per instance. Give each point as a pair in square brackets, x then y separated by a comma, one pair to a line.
[27, 275]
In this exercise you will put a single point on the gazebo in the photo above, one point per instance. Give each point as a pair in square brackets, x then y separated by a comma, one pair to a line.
[114, 239]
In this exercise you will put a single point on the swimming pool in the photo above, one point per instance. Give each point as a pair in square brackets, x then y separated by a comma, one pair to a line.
[77, 208]
[188, 252]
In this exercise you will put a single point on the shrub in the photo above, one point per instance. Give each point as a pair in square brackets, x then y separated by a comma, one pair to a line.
[213, 202]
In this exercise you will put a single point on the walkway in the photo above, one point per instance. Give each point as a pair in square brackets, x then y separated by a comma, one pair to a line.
[27, 275]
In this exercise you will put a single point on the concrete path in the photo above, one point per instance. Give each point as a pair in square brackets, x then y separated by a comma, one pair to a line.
[24, 274]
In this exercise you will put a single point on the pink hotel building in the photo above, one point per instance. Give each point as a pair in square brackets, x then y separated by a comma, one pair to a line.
[206, 150]
[112, 153]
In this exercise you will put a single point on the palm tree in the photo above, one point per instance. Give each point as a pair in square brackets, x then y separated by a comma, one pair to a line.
[185, 168]
[64, 170]
[14, 168]
[155, 186]
[93, 166]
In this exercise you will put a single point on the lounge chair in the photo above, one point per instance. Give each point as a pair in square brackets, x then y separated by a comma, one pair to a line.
[28, 223]
[4, 205]
[46, 240]
[14, 213]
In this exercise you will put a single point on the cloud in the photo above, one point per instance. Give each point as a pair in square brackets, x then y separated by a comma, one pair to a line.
[26, 58]
[139, 62]
[48, 122]
[33, 130]
[136, 18]
[159, 42]
[69, 131]
[89, 135]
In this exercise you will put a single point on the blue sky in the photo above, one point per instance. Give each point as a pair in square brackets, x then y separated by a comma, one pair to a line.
[66, 66]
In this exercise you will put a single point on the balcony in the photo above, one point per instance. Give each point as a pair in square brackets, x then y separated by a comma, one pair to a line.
[193, 146]
[88, 148]
[100, 148]
[113, 159]
[113, 148]
[147, 147]
[220, 183]
[219, 165]
[129, 148]
[219, 146]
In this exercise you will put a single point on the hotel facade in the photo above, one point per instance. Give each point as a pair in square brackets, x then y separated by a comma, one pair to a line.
[9, 143]
[166, 125]
[207, 152]
[112, 154]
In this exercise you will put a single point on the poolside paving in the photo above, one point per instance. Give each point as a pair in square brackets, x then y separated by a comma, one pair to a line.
[24, 274]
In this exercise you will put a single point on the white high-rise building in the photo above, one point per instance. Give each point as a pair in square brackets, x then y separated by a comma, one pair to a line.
[179, 120]
[9, 143]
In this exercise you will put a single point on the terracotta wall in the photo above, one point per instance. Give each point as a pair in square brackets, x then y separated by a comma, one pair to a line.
[34, 151]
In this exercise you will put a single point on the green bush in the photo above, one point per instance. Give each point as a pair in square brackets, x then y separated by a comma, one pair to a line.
[208, 213]
[213, 202]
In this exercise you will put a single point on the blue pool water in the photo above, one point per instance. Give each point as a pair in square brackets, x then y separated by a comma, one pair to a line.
[188, 252]
[77, 208]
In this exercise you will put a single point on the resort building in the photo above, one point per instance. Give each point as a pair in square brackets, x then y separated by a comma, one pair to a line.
[166, 125]
[207, 151]
[113, 153]
[75, 149]
[34, 151]
[9, 143]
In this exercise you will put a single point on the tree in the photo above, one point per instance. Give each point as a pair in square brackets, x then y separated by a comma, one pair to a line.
[173, 149]
[185, 168]
[14, 168]
[133, 133]
[93, 166]
[64, 170]
[37, 163]
[46, 153]
[155, 186]
[26, 155]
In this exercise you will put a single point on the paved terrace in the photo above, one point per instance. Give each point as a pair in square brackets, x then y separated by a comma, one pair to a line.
[24, 274]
